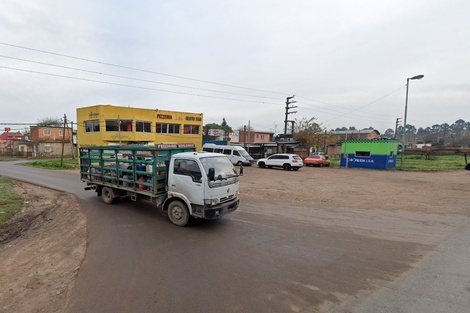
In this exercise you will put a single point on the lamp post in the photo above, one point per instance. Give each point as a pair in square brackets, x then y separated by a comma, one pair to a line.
[403, 144]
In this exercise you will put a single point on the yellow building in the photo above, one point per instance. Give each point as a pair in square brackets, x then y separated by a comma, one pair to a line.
[103, 125]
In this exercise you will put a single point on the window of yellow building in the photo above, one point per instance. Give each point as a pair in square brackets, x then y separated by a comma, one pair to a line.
[143, 127]
[92, 126]
[165, 128]
[118, 125]
[191, 129]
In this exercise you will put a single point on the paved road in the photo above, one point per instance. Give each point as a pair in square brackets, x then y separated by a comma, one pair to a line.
[137, 261]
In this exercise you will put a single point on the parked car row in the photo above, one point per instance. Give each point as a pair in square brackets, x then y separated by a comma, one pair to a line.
[288, 161]
[293, 161]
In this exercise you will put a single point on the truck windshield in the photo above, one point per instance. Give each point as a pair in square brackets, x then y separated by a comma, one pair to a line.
[222, 166]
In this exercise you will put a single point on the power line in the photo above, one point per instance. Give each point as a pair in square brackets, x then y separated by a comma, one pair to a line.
[378, 99]
[132, 78]
[132, 86]
[138, 69]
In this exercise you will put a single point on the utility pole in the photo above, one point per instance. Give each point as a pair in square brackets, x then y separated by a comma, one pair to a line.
[289, 101]
[244, 136]
[119, 129]
[71, 140]
[396, 127]
[63, 141]
[249, 129]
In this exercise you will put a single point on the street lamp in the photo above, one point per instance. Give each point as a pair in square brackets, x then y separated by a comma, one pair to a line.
[403, 144]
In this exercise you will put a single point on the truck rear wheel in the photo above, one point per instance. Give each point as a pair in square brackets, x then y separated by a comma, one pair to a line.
[178, 213]
[108, 196]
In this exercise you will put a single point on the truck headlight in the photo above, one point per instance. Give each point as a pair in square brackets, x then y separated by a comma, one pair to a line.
[211, 202]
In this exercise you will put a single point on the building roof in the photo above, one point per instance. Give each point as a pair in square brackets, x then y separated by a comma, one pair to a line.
[370, 141]
[362, 131]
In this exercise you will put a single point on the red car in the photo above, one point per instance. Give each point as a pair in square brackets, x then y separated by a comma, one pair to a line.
[316, 160]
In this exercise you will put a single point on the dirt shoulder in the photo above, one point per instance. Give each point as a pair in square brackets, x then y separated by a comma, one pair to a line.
[41, 251]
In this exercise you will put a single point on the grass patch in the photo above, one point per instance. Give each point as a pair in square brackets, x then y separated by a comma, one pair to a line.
[68, 164]
[7, 158]
[432, 163]
[10, 201]
[421, 163]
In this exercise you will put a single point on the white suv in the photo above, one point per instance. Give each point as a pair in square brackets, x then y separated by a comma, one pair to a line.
[286, 161]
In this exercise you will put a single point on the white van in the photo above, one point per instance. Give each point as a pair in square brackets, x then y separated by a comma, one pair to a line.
[236, 154]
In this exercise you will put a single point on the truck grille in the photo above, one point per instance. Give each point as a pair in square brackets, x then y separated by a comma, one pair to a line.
[225, 199]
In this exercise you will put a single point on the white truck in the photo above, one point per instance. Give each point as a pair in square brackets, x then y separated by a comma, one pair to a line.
[182, 182]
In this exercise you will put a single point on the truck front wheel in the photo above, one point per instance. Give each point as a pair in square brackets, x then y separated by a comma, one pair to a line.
[178, 213]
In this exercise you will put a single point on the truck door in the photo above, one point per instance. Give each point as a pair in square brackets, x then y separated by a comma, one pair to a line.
[187, 179]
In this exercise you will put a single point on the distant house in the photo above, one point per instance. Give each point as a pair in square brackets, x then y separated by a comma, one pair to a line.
[9, 135]
[337, 137]
[48, 141]
[355, 134]
[49, 133]
[7, 138]
[254, 136]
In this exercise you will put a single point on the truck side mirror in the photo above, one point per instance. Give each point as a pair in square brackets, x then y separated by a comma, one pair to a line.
[211, 174]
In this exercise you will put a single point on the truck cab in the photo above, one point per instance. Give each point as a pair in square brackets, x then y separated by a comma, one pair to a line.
[207, 183]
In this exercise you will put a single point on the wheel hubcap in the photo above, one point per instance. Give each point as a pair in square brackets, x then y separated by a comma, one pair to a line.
[177, 213]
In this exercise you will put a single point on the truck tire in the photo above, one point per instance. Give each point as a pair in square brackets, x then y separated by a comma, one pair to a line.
[178, 213]
[108, 195]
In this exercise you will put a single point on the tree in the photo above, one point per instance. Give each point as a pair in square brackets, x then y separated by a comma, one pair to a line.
[463, 139]
[389, 133]
[224, 126]
[50, 121]
[309, 133]
[458, 126]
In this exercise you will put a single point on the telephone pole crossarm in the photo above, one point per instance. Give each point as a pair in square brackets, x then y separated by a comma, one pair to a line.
[289, 101]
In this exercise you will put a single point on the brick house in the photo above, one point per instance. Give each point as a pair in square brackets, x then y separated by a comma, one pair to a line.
[7, 138]
[254, 136]
[48, 140]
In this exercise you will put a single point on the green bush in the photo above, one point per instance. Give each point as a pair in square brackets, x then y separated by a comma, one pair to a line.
[67, 164]
[10, 202]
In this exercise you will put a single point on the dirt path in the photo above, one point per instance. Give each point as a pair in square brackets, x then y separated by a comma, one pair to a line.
[41, 251]
[43, 247]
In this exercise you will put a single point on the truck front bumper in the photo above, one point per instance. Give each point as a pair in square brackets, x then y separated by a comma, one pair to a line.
[220, 210]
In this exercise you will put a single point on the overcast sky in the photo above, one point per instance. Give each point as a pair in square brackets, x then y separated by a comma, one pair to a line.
[346, 62]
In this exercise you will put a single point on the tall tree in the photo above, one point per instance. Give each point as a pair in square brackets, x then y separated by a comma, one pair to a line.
[309, 133]
[389, 133]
